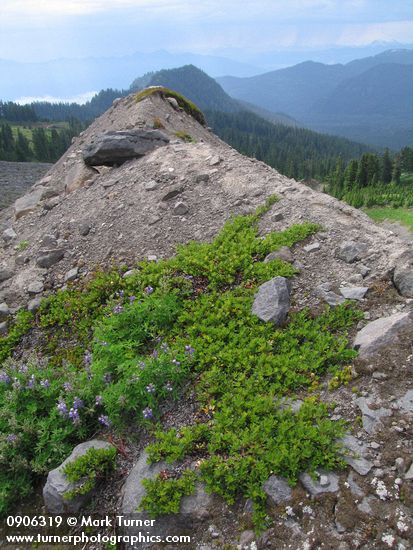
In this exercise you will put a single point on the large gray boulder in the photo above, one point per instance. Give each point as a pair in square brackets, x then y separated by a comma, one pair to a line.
[118, 147]
[351, 251]
[380, 333]
[57, 484]
[403, 280]
[194, 509]
[272, 301]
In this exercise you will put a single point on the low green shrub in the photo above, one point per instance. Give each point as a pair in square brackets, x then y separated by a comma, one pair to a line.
[163, 496]
[87, 470]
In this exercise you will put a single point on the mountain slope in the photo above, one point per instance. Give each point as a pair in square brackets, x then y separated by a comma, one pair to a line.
[340, 99]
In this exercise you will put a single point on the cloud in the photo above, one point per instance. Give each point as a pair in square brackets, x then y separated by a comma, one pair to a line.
[358, 35]
[80, 99]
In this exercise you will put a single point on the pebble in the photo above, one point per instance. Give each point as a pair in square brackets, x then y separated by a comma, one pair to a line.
[312, 247]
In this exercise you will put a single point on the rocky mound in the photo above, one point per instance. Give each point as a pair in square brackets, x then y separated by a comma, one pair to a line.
[134, 202]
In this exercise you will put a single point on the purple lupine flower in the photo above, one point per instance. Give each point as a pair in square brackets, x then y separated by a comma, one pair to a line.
[148, 290]
[142, 365]
[118, 309]
[168, 386]
[78, 403]
[87, 358]
[189, 350]
[104, 420]
[132, 299]
[62, 408]
[155, 354]
[98, 400]
[147, 413]
[45, 383]
[150, 388]
[67, 386]
[4, 377]
[31, 382]
[11, 438]
[107, 378]
[74, 416]
[23, 369]
[121, 293]
[176, 362]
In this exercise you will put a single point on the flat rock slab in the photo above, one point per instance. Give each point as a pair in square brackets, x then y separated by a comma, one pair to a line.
[356, 459]
[272, 301]
[57, 484]
[277, 490]
[327, 483]
[354, 292]
[371, 417]
[26, 204]
[351, 251]
[118, 147]
[325, 293]
[382, 332]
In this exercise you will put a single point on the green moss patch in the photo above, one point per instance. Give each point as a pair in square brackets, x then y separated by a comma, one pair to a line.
[185, 104]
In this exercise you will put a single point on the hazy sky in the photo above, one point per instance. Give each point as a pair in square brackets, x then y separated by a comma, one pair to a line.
[34, 30]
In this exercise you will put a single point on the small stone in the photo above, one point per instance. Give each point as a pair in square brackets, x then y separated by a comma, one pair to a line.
[202, 178]
[277, 217]
[172, 101]
[409, 473]
[374, 445]
[371, 418]
[351, 251]
[36, 287]
[9, 235]
[84, 229]
[364, 270]
[4, 311]
[400, 465]
[403, 280]
[356, 456]
[3, 328]
[215, 160]
[283, 253]
[151, 185]
[315, 488]
[324, 481]
[246, 539]
[34, 304]
[154, 219]
[379, 375]
[152, 258]
[71, 275]
[50, 257]
[48, 241]
[312, 247]
[180, 209]
[367, 315]
[173, 192]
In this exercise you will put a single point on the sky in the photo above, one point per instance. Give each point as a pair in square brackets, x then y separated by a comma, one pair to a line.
[40, 30]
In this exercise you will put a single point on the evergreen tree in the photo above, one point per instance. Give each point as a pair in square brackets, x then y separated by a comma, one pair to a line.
[23, 152]
[396, 174]
[350, 175]
[40, 145]
[386, 167]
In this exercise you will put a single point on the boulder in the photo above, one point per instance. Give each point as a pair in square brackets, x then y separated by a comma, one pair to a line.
[277, 490]
[78, 176]
[403, 280]
[405, 403]
[312, 247]
[173, 192]
[351, 251]
[84, 229]
[283, 253]
[325, 293]
[57, 484]
[194, 508]
[26, 204]
[272, 301]
[35, 287]
[48, 241]
[380, 333]
[34, 304]
[71, 275]
[354, 292]
[118, 147]
[50, 257]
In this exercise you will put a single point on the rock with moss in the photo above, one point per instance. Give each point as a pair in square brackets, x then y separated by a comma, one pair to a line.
[64, 496]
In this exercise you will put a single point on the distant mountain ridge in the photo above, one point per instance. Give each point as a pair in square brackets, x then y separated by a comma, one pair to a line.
[366, 100]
